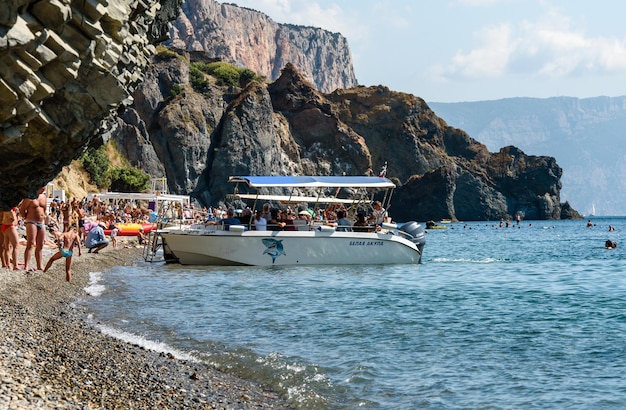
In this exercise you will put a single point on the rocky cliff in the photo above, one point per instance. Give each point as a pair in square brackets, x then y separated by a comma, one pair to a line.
[585, 135]
[248, 38]
[65, 67]
[288, 127]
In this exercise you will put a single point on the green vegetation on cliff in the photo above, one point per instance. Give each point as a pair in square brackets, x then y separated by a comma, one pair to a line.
[119, 178]
[224, 73]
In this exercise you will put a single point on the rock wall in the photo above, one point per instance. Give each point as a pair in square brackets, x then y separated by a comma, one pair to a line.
[248, 38]
[65, 67]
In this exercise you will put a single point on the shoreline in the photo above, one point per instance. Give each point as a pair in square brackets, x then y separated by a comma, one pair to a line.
[51, 357]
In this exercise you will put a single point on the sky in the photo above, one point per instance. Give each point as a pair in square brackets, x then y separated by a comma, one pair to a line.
[474, 50]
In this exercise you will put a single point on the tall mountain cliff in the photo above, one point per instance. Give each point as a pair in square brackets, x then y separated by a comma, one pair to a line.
[288, 127]
[585, 135]
[250, 39]
[65, 67]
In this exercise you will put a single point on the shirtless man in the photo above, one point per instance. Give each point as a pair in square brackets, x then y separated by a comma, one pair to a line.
[34, 213]
[67, 241]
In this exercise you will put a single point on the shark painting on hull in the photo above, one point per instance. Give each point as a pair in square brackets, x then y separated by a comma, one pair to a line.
[274, 248]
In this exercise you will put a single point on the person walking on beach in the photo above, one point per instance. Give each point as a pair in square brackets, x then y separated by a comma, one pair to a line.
[34, 214]
[11, 237]
[80, 212]
[67, 241]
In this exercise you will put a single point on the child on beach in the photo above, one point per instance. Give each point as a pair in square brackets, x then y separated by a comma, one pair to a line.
[114, 231]
[141, 237]
[67, 241]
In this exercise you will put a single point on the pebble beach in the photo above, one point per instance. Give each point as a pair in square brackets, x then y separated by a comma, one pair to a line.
[52, 358]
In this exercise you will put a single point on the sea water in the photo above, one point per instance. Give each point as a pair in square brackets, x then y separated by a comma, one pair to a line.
[529, 316]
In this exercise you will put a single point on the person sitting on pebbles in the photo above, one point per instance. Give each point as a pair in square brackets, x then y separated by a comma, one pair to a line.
[96, 240]
[67, 241]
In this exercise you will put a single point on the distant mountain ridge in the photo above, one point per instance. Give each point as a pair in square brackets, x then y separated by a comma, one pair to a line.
[586, 136]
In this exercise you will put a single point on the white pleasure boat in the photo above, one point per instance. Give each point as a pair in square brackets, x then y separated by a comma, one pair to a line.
[312, 242]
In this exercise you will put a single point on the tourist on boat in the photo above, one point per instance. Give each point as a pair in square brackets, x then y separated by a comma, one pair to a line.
[379, 214]
[330, 213]
[320, 215]
[260, 223]
[230, 219]
[361, 225]
[274, 223]
[246, 215]
[287, 218]
[267, 214]
[210, 216]
[343, 224]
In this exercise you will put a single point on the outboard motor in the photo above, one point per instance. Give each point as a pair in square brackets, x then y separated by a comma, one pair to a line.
[416, 235]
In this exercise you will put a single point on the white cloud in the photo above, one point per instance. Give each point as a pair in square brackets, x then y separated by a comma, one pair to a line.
[490, 60]
[548, 47]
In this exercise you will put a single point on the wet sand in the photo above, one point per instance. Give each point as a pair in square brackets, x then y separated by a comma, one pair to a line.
[51, 358]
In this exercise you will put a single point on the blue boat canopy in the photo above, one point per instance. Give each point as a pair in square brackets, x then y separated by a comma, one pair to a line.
[314, 181]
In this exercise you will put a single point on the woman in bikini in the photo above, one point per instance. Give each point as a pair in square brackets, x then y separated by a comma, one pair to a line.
[11, 238]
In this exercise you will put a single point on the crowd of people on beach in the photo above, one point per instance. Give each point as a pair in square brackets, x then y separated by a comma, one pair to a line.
[72, 225]
[67, 226]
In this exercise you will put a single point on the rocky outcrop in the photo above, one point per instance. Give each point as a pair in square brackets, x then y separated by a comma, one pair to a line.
[65, 67]
[586, 135]
[250, 39]
[288, 127]
[444, 173]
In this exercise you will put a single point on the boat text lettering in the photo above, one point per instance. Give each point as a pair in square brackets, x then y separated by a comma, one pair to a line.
[366, 243]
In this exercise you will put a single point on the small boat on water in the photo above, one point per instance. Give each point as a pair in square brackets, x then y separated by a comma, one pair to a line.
[313, 242]
[433, 225]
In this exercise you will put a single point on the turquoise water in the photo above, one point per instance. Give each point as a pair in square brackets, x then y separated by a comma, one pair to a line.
[495, 318]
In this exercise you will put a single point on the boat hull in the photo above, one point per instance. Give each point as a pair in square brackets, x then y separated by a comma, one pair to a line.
[268, 248]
